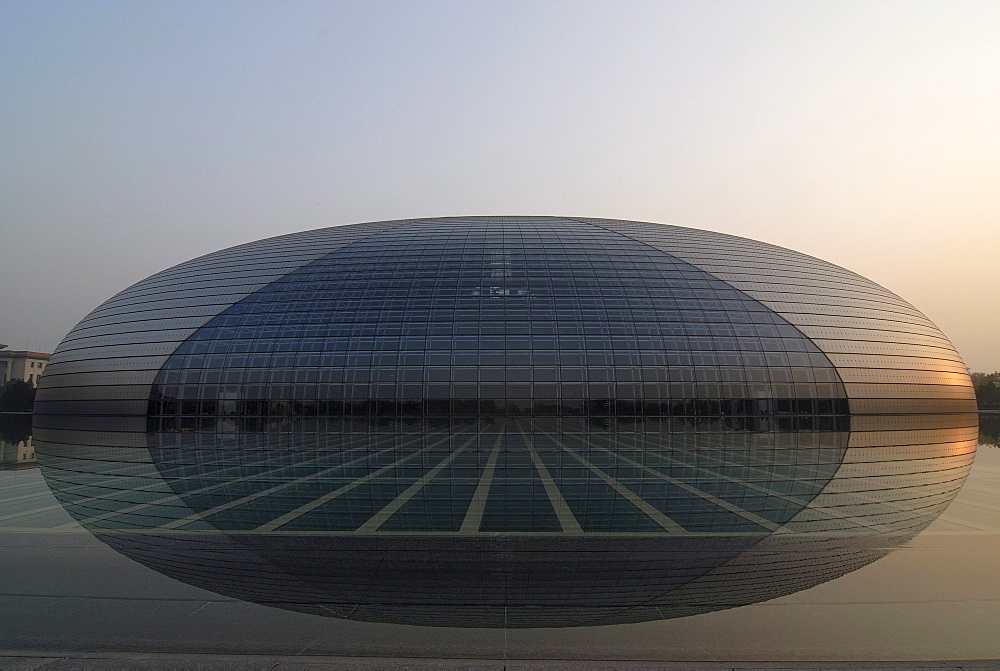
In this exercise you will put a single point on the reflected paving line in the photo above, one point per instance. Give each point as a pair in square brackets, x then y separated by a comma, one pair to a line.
[380, 518]
[955, 510]
[971, 525]
[115, 488]
[762, 466]
[826, 510]
[474, 515]
[712, 474]
[104, 484]
[567, 520]
[18, 484]
[984, 506]
[272, 490]
[312, 505]
[180, 498]
[897, 505]
[34, 495]
[721, 503]
[103, 497]
[874, 520]
[749, 451]
[718, 475]
[830, 512]
[647, 508]
[750, 464]
[849, 499]
[113, 474]
[42, 499]
[173, 497]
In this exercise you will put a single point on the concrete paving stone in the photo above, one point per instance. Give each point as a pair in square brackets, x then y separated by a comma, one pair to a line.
[83, 661]
[10, 663]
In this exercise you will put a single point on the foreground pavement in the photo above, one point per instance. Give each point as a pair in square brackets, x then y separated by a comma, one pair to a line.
[69, 602]
[52, 661]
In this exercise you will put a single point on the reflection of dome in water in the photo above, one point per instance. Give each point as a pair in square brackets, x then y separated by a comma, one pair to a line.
[508, 421]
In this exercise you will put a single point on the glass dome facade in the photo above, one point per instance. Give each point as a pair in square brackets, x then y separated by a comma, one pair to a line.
[631, 406]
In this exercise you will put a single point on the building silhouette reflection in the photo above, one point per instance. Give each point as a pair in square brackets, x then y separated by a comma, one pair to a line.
[17, 452]
[509, 522]
[505, 421]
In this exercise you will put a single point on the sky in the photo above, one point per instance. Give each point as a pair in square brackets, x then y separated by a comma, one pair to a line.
[138, 135]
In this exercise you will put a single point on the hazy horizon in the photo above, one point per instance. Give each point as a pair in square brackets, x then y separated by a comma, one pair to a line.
[138, 136]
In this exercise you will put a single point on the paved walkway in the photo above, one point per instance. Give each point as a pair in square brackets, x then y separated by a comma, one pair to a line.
[15, 660]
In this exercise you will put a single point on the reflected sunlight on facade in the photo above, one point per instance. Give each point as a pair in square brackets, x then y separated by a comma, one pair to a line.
[505, 421]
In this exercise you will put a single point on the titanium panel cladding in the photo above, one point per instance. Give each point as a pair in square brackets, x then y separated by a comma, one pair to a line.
[505, 421]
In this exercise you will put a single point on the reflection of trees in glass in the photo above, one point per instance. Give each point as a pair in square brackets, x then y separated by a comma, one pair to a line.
[987, 390]
[16, 396]
[15, 428]
[989, 429]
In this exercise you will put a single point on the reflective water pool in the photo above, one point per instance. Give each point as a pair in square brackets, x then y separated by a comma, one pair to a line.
[935, 597]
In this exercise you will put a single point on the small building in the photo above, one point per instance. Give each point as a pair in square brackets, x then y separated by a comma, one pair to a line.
[22, 365]
[17, 456]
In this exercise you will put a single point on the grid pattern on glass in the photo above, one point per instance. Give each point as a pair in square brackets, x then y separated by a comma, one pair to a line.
[891, 357]
[618, 460]
[497, 318]
[495, 475]
[898, 480]
[489, 579]
[105, 365]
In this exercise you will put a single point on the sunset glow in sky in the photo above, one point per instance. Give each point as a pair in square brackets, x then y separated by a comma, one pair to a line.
[139, 135]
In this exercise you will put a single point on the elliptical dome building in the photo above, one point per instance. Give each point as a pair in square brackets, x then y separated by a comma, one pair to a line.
[621, 420]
